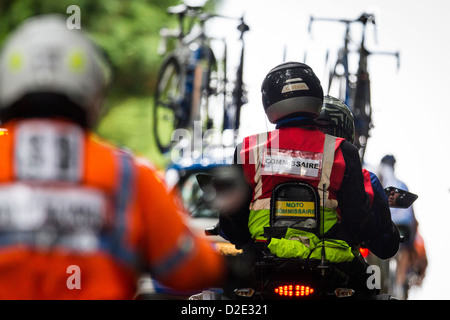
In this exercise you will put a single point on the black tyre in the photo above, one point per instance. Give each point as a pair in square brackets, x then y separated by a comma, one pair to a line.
[168, 113]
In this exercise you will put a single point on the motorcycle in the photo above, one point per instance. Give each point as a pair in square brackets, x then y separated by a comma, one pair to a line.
[281, 278]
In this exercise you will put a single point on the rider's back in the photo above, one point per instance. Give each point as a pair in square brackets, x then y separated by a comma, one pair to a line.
[298, 151]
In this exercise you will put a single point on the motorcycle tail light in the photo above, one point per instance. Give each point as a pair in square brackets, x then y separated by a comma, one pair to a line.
[364, 252]
[294, 290]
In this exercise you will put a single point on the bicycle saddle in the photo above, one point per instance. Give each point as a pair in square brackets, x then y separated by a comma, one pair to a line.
[177, 9]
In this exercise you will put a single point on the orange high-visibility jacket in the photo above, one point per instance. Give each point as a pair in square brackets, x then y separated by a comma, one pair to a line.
[79, 216]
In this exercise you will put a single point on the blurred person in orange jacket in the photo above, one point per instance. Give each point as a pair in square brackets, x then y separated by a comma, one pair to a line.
[79, 216]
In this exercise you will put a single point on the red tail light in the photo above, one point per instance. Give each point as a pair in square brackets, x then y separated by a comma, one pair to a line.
[364, 252]
[294, 290]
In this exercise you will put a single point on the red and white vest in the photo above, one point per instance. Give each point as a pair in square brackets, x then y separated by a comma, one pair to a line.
[291, 154]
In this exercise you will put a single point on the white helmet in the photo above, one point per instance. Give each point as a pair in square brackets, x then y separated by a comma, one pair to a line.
[44, 56]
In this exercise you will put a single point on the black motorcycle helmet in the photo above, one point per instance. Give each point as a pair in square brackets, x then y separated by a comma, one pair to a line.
[291, 89]
[337, 119]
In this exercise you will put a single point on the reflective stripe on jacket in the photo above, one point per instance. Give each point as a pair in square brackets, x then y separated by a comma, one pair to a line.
[268, 159]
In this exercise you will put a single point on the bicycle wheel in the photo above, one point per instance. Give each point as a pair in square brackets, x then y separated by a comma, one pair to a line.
[205, 82]
[168, 114]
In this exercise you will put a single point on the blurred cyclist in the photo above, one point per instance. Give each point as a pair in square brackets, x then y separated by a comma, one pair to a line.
[70, 201]
[403, 217]
[337, 120]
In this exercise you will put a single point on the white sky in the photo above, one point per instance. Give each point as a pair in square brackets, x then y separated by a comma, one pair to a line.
[410, 106]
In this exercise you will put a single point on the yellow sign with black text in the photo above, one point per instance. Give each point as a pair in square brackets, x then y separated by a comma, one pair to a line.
[304, 209]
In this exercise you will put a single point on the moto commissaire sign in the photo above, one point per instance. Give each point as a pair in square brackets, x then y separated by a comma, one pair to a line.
[294, 209]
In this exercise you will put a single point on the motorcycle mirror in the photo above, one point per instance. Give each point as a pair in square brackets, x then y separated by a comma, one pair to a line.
[223, 187]
[205, 181]
[399, 198]
[222, 179]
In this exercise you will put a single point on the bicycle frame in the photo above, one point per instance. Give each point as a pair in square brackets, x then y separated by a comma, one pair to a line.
[192, 47]
[190, 76]
[232, 111]
[357, 93]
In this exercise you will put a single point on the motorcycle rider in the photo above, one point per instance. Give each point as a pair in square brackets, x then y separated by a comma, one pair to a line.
[337, 119]
[386, 172]
[292, 97]
[71, 203]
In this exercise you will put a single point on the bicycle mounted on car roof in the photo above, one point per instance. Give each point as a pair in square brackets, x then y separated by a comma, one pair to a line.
[354, 89]
[190, 76]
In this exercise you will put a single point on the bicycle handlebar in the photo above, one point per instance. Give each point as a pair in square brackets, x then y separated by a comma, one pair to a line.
[183, 10]
[396, 54]
[364, 19]
[192, 11]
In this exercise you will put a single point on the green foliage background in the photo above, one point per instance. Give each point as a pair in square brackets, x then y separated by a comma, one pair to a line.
[128, 31]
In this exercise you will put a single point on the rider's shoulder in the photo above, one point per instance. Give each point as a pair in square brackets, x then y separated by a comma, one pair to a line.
[348, 147]
[350, 153]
